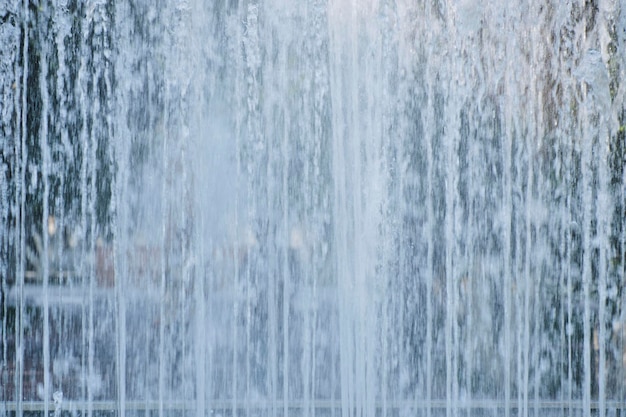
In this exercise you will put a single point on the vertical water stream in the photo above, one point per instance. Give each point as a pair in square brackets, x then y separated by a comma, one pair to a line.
[323, 207]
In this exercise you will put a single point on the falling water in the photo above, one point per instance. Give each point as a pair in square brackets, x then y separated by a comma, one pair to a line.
[322, 207]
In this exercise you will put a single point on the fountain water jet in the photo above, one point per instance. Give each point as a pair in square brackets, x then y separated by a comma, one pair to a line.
[330, 207]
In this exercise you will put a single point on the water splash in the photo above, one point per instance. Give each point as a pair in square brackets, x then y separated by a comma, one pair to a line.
[329, 207]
